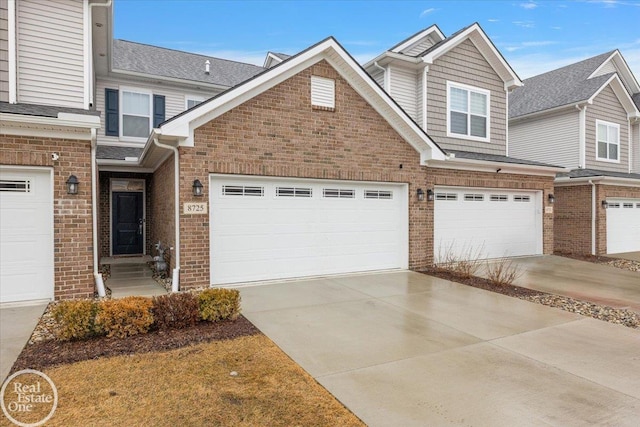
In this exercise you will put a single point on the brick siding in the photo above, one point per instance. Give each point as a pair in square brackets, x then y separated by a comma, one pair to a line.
[161, 224]
[73, 248]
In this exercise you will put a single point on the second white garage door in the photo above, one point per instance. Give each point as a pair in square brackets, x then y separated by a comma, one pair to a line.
[486, 223]
[275, 228]
[623, 225]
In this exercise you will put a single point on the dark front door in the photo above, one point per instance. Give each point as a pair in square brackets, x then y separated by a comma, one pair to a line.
[127, 223]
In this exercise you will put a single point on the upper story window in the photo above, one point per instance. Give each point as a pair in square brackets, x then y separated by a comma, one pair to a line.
[191, 101]
[136, 113]
[467, 112]
[131, 113]
[323, 92]
[608, 141]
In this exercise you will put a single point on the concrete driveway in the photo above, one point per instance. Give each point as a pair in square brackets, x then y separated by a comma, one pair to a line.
[403, 349]
[583, 280]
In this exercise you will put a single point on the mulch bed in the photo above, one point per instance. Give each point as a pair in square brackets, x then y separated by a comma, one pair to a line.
[486, 284]
[52, 353]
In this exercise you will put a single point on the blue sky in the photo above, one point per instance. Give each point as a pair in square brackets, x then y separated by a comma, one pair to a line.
[534, 36]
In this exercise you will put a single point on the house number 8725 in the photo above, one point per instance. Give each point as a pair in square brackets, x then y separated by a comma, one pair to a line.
[195, 208]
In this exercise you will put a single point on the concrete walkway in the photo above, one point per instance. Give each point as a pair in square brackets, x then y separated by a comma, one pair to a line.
[582, 280]
[631, 256]
[132, 276]
[406, 349]
[16, 325]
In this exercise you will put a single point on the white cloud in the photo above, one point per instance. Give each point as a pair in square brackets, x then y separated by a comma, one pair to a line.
[556, 28]
[493, 20]
[524, 45]
[529, 65]
[427, 11]
[524, 24]
[529, 5]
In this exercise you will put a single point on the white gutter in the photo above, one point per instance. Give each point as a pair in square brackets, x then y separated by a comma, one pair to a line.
[593, 217]
[115, 72]
[175, 278]
[492, 166]
[94, 215]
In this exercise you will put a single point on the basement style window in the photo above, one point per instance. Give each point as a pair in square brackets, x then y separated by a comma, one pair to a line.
[499, 198]
[473, 197]
[323, 92]
[338, 193]
[378, 194]
[241, 190]
[293, 192]
[521, 198]
[15, 186]
[608, 141]
[446, 196]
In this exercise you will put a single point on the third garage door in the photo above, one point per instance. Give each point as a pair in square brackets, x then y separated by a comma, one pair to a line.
[486, 223]
[273, 228]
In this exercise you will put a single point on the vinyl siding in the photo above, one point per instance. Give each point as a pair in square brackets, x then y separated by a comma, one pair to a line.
[551, 139]
[607, 107]
[4, 51]
[465, 64]
[635, 158]
[418, 47]
[51, 52]
[378, 76]
[420, 98]
[404, 89]
[174, 99]
[608, 68]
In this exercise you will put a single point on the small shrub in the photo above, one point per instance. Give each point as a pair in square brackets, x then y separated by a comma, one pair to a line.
[219, 304]
[76, 320]
[502, 271]
[465, 265]
[177, 311]
[125, 317]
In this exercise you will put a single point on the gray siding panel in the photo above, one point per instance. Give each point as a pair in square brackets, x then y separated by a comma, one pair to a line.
[551, 139]
[609, 67]
[174, 99]
[635, 144]
[465, 64]
[607, 107]
[4, 51]
[378, 76]
[50, 41]
[404, 89]
[418, 47]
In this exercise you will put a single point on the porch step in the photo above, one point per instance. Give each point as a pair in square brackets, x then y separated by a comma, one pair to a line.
[132, 279]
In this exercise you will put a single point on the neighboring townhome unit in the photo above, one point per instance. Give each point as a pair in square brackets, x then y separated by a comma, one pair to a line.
[47, 139]
[585, 117]
[486, 203]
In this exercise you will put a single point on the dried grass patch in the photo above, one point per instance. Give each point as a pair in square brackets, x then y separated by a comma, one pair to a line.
[193, 386]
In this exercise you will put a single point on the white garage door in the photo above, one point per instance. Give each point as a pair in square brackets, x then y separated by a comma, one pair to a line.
[623, 225]
[274, 228]
[26, 234]
[475, 223]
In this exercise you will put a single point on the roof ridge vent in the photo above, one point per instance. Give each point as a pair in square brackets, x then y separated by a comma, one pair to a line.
[207, 63]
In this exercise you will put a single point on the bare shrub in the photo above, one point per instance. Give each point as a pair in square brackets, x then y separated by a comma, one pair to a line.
[503, 271]
[465, 264]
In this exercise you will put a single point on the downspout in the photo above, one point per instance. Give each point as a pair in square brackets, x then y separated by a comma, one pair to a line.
[175, 277]
[593, 217]
[94, 215]
[384, 76]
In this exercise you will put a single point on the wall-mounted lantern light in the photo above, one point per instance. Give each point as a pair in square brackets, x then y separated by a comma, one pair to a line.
[551, 198]
[420, 194]
[430, 195]
[605, 205]
[197, 187]
[72, 185]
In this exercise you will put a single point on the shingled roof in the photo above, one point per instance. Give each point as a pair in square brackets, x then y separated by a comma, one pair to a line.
[564, 86]
[42, 110]
[163, 62]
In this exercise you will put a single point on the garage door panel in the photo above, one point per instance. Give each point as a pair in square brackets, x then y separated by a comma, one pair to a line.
[623, 225]
[271, 237]
[26, 235]
[492, 227]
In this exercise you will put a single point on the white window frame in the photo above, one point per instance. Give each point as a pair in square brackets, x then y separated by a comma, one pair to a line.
[469, 89]
[147, 92]
[188, 98]
[608, 125]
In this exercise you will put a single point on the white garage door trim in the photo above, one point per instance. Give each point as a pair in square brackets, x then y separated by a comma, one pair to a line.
[27, 266]
[473, 222]
[623, 225]
[316, 227]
